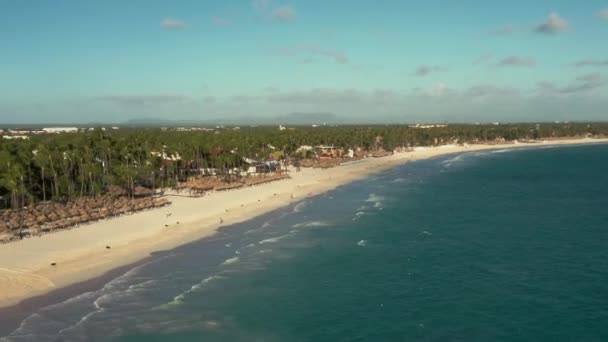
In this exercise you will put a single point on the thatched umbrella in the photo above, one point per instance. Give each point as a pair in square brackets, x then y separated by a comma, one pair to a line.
[140, 191]
[29, 222]
[64, 214]
[13, 224]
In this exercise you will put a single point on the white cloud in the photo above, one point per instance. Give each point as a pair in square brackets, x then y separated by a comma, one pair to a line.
[141, 100]
[553, 24]
[261, 5]
[518, 61]
[173, 24]
[284, 13]
[485, 90]
[591, 63]
[583, 83]
[603, 14]
[424, 70]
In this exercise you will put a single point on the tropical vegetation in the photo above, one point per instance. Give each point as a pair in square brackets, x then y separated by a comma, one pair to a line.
[64, 167]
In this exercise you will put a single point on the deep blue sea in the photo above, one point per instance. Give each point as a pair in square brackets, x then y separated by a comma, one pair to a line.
[499, 245]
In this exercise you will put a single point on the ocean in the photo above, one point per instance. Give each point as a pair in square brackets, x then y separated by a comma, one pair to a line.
[503, 245]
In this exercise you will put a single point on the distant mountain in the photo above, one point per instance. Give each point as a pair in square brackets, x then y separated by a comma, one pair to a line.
[156, 122]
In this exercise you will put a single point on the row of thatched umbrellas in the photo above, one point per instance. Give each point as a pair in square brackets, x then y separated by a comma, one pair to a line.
[251, 181]
[204, 184]
[46, 217]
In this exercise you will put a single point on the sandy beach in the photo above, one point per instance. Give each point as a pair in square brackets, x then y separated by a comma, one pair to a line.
[82, 253]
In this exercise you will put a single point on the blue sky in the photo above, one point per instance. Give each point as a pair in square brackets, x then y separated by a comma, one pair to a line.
[394, 60]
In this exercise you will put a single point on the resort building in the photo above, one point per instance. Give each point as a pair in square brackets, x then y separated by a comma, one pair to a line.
[52, 130]
[329, 152]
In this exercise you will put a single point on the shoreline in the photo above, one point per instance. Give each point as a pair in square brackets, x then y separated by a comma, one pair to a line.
[26, 276]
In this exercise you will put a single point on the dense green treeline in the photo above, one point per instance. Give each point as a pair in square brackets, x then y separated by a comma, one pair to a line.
[65, 166]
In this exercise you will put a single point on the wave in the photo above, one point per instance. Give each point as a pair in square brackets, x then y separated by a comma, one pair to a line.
[398, 180]
[179, 299]
[502, 151]
[310, 224]
[99, 299]
[362, 243]
[230, 261]
[377, 200]
[449, 162]
[478, 154]
[299, 207]
[98, 308]
[274, 239]
[143, 285]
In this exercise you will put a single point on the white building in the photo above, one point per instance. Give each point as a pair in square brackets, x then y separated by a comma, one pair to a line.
[304, 148]
[10, 137]
[165, 156]
[51, 130]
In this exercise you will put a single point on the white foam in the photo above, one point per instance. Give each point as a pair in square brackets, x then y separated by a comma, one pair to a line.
[362, 243]
[98, 308]
[452, 160]
[230, 261]
[377, 200]
[143, 285]
[310, 224]
[298, 207]
[179, 299]
[398, 180]
[448, 162]
[116, 287]
[274, 239]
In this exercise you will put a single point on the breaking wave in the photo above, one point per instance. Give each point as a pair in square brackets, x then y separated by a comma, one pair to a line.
[230, 261]
[376, 200]
[179, 299]
[310, 224]
[274, 239]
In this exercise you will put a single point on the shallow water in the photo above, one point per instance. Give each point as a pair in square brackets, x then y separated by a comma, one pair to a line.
[503, 245]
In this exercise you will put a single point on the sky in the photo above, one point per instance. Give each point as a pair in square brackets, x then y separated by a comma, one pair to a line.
[378, 61]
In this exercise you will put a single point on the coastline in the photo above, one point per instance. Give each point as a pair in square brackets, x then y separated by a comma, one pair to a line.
[81, 253]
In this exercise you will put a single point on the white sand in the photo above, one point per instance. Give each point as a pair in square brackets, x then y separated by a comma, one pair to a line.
[81, 253]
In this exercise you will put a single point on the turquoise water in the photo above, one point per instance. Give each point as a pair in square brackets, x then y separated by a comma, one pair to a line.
[490, 246]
